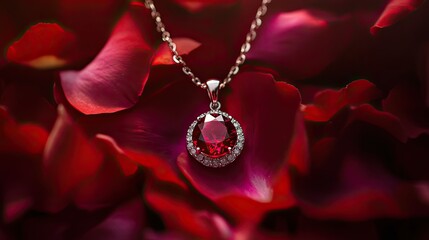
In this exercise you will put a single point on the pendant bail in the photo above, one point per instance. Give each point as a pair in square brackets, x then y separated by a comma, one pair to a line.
[213, 86]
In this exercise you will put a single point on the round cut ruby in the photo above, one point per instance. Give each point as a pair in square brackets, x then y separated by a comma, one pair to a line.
[214, 135]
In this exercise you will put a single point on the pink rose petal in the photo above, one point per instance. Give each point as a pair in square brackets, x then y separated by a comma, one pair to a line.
[301, 43]
[395, 11]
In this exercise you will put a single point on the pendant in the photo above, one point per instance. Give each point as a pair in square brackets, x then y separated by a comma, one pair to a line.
[215, 138]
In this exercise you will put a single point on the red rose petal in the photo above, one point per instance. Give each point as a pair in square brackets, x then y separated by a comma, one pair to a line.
[43, 46]
[93, 173]
[194, 6]
[368, 192]
[70, 158]
[186, 212]
[21, 145]
[395, 11]
[79, 15]
[184, 46]
[384, 120]
[254, 99]
[328, 102]
[115, 79]
[406, 103]
[354, 176]
[110, 184]
[24, 138]
[301, 43]
[28, 104]
[159, 169]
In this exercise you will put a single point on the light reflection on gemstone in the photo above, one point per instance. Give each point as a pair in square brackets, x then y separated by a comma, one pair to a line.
[214, 134]
[215, 139]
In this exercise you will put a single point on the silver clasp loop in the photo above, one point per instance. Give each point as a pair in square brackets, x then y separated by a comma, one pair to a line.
[213, 86]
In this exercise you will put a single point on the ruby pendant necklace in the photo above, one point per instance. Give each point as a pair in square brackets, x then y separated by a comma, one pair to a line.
[215, 138]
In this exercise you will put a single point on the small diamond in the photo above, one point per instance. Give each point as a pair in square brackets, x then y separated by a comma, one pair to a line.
[200, 157]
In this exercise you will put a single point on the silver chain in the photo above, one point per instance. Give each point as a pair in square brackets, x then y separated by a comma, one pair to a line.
[166, 37]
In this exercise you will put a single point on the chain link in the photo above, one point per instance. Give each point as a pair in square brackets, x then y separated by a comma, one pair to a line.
[245, 48]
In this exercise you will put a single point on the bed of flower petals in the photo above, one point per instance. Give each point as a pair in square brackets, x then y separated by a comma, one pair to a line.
[333, 100]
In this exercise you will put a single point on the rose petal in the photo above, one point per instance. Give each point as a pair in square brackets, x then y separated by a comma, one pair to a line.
[394, 12]
[328, 102]
[93, 173]
[28, 104]
[43, 46]
[301, 43]
[115, 79]
[92, 31]
[194, 6]
[69, 159]
[186, 212]
[145, 128]
[110, 184]
[266, 111]
[248, 212]
[22, 138]
[406, 103]
[384, 120]
[348, 177]
[20, 145]
[184, 46]
[157, 167]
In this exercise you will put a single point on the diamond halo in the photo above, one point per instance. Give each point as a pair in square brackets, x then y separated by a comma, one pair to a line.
[212, 161]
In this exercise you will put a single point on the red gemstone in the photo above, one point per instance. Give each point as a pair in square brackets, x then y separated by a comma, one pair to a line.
[214, 135]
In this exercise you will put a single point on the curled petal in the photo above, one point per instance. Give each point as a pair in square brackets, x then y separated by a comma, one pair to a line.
[43, 46]
[328, 102]
[395, 11]
[115, 79]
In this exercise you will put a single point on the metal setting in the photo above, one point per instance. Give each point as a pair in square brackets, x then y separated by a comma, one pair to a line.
[245, 48]
[215, 162]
